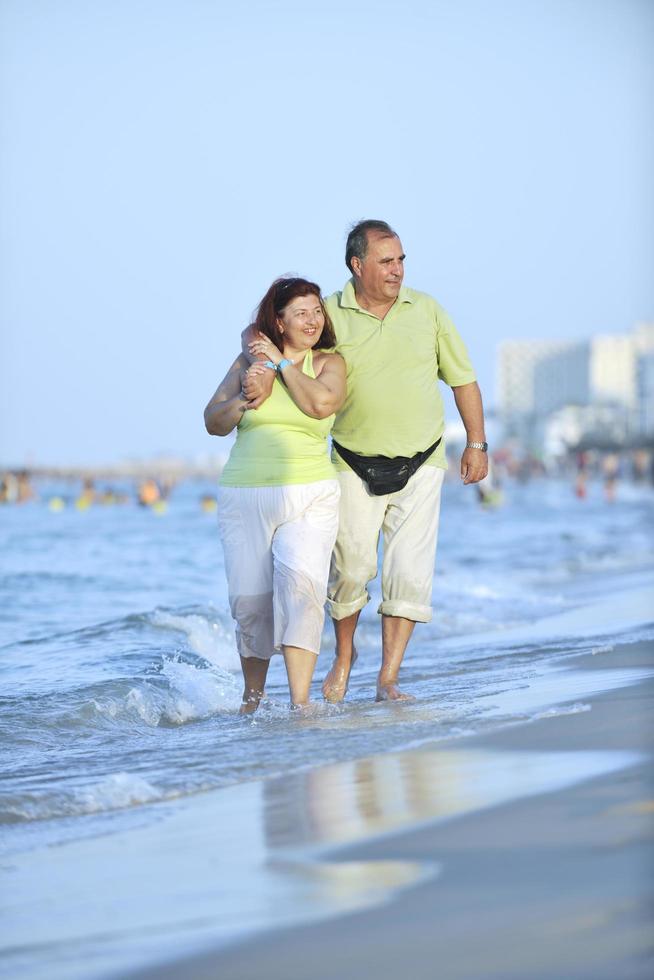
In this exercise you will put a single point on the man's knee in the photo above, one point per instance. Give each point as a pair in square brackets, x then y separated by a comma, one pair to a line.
[343, 610]
[417, 612]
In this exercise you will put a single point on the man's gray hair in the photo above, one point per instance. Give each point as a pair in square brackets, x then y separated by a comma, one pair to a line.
[357, 240]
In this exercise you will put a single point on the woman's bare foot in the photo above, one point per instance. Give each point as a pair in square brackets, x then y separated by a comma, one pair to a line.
[308, 710]
[250, 702]
[335, 684]
[391, 692]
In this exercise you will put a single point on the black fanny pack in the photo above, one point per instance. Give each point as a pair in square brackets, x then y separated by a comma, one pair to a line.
[381, 473]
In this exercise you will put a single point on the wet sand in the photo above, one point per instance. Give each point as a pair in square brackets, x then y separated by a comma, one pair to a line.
[523, 854]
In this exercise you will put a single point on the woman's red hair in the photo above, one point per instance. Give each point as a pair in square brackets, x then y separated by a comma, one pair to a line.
[276, 300]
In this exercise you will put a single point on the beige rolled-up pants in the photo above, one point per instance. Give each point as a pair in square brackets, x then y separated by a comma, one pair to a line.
[277, 543]
[408, 521]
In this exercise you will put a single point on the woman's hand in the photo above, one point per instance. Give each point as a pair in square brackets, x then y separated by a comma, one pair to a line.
[262, 345]
[228, 403]
[256, 384]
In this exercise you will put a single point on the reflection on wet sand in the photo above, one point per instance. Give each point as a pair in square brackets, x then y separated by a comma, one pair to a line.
[221, 865]
[337, 887]
[348, 802]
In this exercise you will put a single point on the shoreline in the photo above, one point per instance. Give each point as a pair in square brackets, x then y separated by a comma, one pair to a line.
[551, 883]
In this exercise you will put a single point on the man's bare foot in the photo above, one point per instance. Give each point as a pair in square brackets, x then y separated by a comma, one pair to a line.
[335, 684]
[391, 692]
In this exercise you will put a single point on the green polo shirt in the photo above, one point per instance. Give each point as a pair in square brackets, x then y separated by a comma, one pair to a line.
[393, 405]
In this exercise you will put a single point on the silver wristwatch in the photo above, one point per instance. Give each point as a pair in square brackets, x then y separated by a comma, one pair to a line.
[478, 445]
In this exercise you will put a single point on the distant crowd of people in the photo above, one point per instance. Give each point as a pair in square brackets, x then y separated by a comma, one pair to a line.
[611, 468]
[18, 487]
[506, 465]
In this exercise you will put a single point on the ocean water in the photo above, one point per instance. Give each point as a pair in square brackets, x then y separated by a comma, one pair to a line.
[121, 685]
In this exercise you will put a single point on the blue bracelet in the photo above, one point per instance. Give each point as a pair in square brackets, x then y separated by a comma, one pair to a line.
[269, 364]
[284, 363]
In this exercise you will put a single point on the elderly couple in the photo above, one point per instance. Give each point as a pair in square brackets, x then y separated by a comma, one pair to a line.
[298, 528]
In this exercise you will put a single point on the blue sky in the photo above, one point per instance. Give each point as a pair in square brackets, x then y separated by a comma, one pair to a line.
[163, 161]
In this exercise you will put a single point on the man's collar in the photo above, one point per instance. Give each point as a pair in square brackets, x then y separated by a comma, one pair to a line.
[349, 298]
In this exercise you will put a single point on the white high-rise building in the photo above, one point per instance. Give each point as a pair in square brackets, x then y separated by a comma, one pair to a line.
[612, 370]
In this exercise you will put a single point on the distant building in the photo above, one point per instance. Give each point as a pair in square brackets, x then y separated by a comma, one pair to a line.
[562, 379]
[517, 400]
[645, 390]
[644, 411]
[643, 335]
[612, 370]
[516, 363]
[562, 393]
[601, 425]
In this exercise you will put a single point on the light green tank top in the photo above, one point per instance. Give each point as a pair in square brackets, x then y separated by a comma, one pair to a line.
[278, 444]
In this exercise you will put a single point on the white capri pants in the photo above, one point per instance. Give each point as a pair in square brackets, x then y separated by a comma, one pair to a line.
[277, 543]
[408, 521]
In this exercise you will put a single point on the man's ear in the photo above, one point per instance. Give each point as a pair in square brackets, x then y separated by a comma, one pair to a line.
[355, 264]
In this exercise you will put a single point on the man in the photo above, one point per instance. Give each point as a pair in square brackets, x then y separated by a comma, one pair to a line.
[397, 343]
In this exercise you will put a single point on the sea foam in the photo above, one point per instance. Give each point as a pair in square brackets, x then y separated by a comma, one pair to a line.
[208, 638]
[181, 692]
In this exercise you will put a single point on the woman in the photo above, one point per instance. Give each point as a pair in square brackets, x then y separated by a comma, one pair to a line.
[278, 495]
